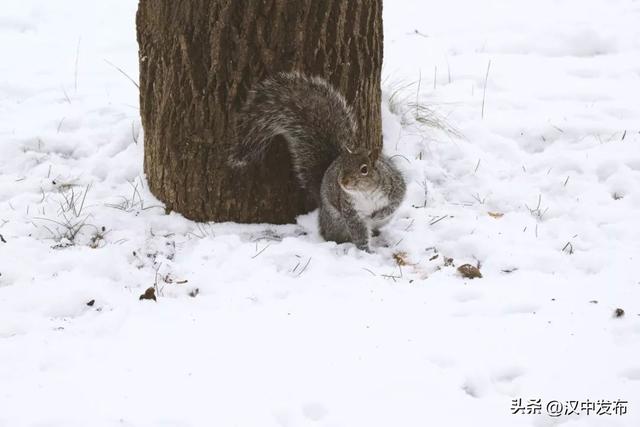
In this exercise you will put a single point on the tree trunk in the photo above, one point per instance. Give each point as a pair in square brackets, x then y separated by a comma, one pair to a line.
[198, 58]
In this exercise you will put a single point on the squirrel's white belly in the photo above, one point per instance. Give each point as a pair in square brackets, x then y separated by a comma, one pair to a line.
[366, 203]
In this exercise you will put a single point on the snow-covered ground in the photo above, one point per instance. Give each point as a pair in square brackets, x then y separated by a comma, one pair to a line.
[259, 325]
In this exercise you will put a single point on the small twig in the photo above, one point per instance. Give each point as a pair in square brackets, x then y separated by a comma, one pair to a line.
[556, 128]
[263, 249]
[418, 33]
[66, 95]
[484, 91]
[392, 276]
[438, 220]
[372, 273]
[304, 268]
[479, 199]
[410, 224]
[570, 246]
[297, 265]
[60, 125]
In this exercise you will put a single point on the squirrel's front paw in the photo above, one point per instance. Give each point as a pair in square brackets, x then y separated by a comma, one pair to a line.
[364, 247]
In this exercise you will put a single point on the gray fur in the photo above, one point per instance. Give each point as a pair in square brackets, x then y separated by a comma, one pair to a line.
[355, 195]
[341, 222]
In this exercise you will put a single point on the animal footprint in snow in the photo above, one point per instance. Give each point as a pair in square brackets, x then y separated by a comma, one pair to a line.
[468, 295]
[522, 308]
[505, 380]
[632, 374]
[314, 411]
[508, 374]
[475, 386]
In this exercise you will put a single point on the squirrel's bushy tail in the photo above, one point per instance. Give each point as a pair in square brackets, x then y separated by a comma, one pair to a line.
[308, 112]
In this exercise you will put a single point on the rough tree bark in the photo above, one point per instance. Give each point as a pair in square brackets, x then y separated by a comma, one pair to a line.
[197, 60]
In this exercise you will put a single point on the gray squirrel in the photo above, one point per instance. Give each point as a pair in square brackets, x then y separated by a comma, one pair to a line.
[356, 194]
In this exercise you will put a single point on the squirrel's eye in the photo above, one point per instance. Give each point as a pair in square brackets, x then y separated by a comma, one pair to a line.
[364, 169]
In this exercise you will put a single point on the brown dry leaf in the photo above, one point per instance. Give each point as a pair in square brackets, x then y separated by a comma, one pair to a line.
[150, 293]
[401, 258]
[469, 271]
[496, 214]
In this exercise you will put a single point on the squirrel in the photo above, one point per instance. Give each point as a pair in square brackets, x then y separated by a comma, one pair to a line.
[357, 193]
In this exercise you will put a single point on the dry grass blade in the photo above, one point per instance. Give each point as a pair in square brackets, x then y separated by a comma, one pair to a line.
[429, 117]
[123, 73]
[304, 268]
[75, 70]
[484, 90]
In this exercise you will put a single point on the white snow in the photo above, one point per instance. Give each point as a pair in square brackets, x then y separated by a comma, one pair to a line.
[286, 329]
